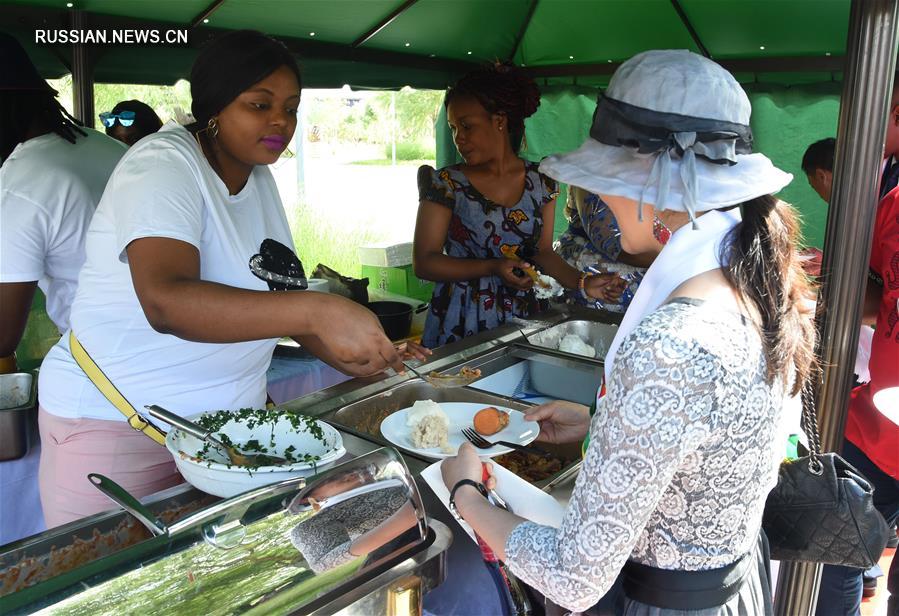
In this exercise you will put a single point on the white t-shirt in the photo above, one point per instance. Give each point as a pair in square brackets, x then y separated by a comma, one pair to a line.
[164, 187]
[49, 189]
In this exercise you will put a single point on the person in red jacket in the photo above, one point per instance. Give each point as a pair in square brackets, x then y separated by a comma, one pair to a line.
[872, 425]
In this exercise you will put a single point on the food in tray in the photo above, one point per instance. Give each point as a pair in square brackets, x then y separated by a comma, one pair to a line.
[490, 420]
[464, 373]
[429, 426]
[572, 343]
[36, 567]
[531, 467]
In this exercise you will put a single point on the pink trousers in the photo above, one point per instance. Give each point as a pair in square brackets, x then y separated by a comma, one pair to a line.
[72, 448]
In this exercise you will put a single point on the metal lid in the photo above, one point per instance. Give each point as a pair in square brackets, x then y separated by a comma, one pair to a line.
[290, 544]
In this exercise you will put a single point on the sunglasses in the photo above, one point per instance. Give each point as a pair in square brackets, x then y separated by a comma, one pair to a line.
[125, 118]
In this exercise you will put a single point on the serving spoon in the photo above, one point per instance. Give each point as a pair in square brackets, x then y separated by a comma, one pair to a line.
[444, 381]
[237, 457]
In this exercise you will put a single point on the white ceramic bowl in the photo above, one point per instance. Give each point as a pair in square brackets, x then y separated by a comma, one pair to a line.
[226, 481]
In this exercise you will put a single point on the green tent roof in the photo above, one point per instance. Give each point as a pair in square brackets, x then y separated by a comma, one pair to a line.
[427, 43]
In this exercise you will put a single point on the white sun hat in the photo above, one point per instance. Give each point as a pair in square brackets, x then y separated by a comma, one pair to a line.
[672, 130]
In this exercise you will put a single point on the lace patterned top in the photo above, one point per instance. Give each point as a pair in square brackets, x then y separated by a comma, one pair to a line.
[683, 452]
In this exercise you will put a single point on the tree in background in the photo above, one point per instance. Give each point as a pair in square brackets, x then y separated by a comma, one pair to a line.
[367, 117]
[416, 112]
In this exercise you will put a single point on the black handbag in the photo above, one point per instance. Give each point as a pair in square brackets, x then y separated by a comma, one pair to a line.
[822, 508]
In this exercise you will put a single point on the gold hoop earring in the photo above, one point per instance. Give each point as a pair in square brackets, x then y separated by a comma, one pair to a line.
[212, 128]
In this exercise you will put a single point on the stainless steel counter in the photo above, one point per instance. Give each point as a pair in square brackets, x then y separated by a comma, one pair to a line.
[355, 407]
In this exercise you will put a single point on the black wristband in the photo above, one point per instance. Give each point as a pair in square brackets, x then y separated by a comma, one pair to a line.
[464, 482]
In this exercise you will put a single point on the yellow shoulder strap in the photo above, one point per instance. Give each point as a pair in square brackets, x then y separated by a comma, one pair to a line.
[93, 372]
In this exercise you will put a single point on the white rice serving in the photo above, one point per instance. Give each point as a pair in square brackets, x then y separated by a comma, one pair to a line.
[572, 343]
[429, 426]
[423, 408]
[549, 287]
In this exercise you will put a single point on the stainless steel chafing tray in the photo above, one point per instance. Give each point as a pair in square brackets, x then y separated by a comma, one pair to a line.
[552, 373]
[364, 418]
[18, 413]
[594, 333]
[347, 540]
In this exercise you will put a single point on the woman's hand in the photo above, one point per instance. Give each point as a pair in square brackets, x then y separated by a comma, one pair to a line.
[505, 269]
[561, 421]
[353, 339]
[466, 465]
[413, 350]
[605, 287]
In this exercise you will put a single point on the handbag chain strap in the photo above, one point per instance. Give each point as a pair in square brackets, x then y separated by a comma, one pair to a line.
[809, 423]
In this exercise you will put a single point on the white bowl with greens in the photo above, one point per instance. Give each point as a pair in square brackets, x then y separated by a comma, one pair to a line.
[307, 444]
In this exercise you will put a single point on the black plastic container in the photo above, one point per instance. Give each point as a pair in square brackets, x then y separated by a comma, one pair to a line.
[395, 317]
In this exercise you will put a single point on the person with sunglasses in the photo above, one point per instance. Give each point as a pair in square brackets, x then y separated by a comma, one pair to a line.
[52, 174]
[130, 121]
[190, 280]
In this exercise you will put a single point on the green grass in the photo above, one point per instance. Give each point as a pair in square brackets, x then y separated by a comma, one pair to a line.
[318, 239]
[410, 151]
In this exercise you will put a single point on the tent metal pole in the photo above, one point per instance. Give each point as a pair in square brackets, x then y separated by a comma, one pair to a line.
[774, 64]
[867, 89]
[206, 13]
[522, 30]
[383, 23]
[690, 29]
[82, 76]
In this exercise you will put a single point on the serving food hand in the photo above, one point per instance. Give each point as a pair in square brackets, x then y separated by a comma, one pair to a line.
[466, 465]
[561, 421]
[508, 270]
[413, 350]
[353, 341]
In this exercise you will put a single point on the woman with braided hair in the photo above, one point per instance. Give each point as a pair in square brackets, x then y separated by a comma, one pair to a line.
[482, 223]
[43, 221]
[52, 174]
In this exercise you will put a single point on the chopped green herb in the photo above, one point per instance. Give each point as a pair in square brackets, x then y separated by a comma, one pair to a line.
[252, 418]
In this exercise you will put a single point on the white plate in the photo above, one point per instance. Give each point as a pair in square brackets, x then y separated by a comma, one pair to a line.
[524, 499]
[461, 415]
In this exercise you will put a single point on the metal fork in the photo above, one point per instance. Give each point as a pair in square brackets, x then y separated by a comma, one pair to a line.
[481, 443]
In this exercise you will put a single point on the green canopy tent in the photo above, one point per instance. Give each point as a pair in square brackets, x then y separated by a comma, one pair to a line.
[787, 52]
[790, 55]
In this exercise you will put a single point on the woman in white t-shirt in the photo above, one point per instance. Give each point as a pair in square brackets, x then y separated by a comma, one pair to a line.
[52, 174]
[167, 304]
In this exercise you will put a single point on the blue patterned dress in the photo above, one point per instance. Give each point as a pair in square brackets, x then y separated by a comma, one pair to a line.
[593, 240]
[482, 229]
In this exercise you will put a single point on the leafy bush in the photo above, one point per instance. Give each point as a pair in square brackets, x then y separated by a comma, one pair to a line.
[411, 151]
[320, 239]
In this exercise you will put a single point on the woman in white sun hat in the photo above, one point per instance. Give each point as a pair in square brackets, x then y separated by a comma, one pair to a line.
[683, 447]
